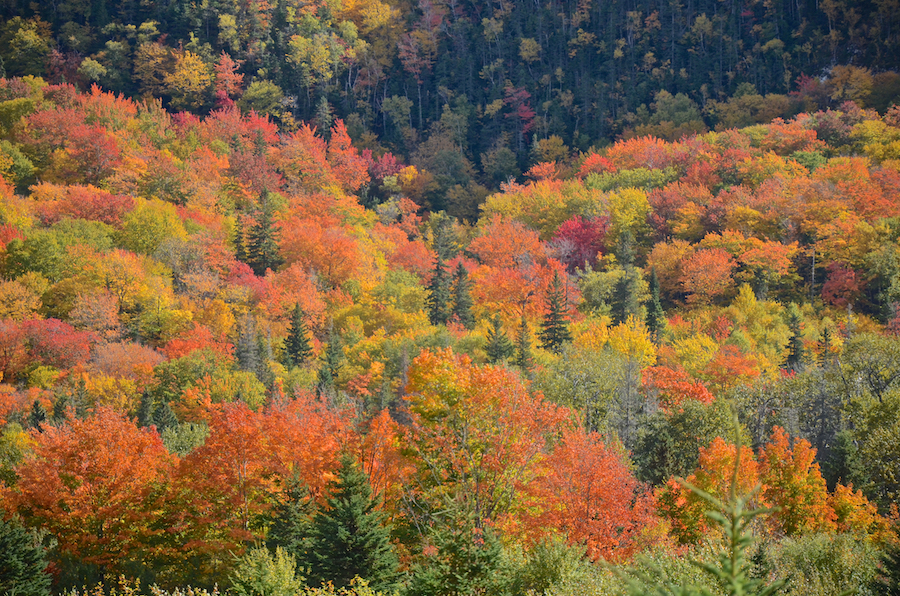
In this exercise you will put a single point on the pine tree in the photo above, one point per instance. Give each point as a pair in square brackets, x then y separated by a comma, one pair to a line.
[164, 417]
[247, 349]
[350, 537]
[656, 316]
[462, 300]
[324, 118]
[443, 236]
[468, 561]
[626, 293]
[523, 355]
[795, 344]
[555, 326]
[23, 562]
[438, 300]
[240, 249]
[262, 244]
[499, 347]
[146, 409]
[38, 416]
[292, 522]
[61, 406]
[331, 362]
[297, 345]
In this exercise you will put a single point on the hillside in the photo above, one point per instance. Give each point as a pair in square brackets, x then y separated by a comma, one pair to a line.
[212, 328]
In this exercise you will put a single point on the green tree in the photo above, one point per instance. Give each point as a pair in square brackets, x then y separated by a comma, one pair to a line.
[23, 562]
[555, 326]
[146, 409]
[247, 349]
[462, 300]
[668, 444]
[292, 521]
[499, 347]
[349, 535]
[297, 345]
[795, 345]
[468, 561]
[656, 316]
[626, 301]
[523, 356]
[38, 416]
[438, 299]
[262, 243]
[331, 362]
[164, 417]
[626, 295]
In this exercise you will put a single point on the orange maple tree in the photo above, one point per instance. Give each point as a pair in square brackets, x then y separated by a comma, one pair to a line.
[590, 494]
[793, 483]
[97, 484]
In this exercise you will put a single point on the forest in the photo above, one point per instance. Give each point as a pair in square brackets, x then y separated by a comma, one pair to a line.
[438, 298]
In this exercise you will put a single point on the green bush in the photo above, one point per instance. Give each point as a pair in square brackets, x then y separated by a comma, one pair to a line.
[260, 573]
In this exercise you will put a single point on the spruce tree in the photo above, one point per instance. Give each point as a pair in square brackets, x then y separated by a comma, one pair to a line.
[262, 243]
[469, 560]
[523, 355]
[23, 562]
[795, 344]
[462, 300]
[292, 522]
[240, 249]
[146, 409]
[38, 416]
[331, 362]
[626, 293]
[247, 349]
[438, 299]
[164, 417]
[656, 316]
[61, 407]
[555, 326]
[443, 237]
[297, 345]
[499, 347]
[350, 537]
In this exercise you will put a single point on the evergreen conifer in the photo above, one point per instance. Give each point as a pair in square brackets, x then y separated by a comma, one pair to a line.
[247, 349]
[523, 356]
[350, 537]
[262, 244]
[23, 562]
[292, 522]
[626, 293]
[555, 326]
[468, 561]
[240, 249]
[38, 416]
[61, 407]
[438, 299]
[499, 347]
[331, 362]
[146, 409]
[297, 346]
[656, 316]
[462, 300]
[164, 417]
[795, 344]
